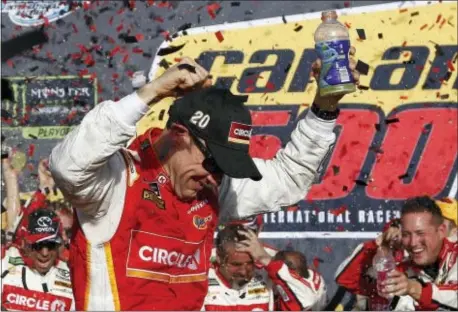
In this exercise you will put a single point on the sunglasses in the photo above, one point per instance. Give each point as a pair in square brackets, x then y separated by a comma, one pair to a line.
[49, 245]
[209, 162]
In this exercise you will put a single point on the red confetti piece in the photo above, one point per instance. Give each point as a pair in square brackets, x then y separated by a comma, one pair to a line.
[150, 2]
[450, 65]
[71, 115]
[424, 26]
[119, 28]
[347, 4]
[316, 262]
[211, 8]
[120, 11]
[404, 43]
[249, 89]
[406, 54]
[293, 208]
[163, 4]
[403, 97]
[338, 211]
[82, 48]
[442, 23]
[115, 50]
[402, 10]
[125, 58]
[50, 56]
[166, 35]
[132, 4]
[89, 60]
[219, 36]
[76, 56]
[139, 37]
[31, 150]
[348, 25]
[75, 29]
[137, 50]
[115, 76]
[10, 63]
[86, 5]
[130, 73]
[327, 249]
[177, 59]
[270, 86]
[93, 28]
[46, 21]
[159, 19]
[83, 72]
[110, 21]
[438, 19]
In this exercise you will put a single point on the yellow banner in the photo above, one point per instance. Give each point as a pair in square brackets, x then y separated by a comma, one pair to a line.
[410, 49]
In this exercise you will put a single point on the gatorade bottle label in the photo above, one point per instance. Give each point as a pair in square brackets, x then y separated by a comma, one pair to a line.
[335, 69]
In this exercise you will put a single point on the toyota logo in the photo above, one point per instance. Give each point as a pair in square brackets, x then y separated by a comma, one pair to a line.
[44, 221]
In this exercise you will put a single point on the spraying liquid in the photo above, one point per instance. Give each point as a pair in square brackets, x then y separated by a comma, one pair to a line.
[332, 43]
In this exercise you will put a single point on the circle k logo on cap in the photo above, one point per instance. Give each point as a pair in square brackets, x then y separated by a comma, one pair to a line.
[240, 133]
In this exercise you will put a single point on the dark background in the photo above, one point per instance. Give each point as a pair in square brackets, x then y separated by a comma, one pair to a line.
[68, 36]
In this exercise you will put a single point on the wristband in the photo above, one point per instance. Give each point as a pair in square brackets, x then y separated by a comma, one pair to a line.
[323, 114]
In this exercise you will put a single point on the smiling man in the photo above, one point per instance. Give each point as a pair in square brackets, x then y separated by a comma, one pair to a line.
[35, 279]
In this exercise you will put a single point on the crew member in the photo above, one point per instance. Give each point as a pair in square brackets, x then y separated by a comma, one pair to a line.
[284, 283]
[35, 279]
[147, 213]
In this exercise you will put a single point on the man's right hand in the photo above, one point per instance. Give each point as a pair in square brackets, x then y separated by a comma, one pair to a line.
[185, 76]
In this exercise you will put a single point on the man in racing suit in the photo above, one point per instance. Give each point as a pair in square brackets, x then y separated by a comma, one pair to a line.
[136, 247]
[35, 280]
[284, 283]
[426, 280]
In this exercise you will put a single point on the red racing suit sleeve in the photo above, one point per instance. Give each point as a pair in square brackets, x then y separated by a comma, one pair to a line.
[296, 293]
[351, 273]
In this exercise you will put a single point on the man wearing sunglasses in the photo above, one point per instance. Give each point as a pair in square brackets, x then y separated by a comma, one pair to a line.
[37, 280]
[147, 213]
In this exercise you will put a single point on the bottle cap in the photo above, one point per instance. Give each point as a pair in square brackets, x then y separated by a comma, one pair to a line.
[328, 15]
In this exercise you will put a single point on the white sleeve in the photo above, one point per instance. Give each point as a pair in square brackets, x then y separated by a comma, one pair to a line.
[79, 164]
[286, 178]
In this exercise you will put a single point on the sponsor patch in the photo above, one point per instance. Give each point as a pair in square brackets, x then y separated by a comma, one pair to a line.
[16, 261]
[201, 223]
[153, 197]
[63, 284]
[63, 274]
[166, 259]
[213, 282]
[197, 206]
[239, 133]
[282, 293]
[20, 299]
[161, 178]
[257, 291]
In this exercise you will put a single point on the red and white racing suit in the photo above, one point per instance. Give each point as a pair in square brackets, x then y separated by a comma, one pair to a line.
[294, 293]
[24, 289]
[136, 245]
[439, 292]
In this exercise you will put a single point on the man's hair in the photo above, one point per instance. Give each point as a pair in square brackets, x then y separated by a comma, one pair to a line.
[228, 235]
[423, 204]
[301, 268]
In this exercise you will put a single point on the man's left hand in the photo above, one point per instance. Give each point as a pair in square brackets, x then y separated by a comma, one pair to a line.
[329, 103]
[253, 246]
[398, 284]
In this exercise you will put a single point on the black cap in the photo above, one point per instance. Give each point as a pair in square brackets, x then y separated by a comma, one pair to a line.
[222, 120]
[43, 226]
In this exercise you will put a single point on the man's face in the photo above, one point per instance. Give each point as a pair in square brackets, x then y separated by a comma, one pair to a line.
[43, 256]
[422, 237]
[187, 173]
[237, 267]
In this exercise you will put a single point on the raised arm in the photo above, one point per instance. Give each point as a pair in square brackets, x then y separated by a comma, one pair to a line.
[80, 163]
[288, 177]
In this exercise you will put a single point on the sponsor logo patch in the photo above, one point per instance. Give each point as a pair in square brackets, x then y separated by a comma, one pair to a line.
[16, 261]
[166, 259]
[197, 206]
[201, 223]
[239, 133]
[20, 299]
[154, 197]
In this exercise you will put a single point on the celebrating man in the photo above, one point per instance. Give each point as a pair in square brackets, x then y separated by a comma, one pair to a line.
[147, 213]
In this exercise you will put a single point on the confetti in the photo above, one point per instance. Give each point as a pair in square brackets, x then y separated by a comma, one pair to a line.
[438, 19]
[362, 67]
[219, 36]
[235, 4]
[163, 63]
[391, 120]
[347, 4]
[298, 28]
[450, 65]
[316, 262]
[424, 26]
[361, 87]
[184, 27]
[284, 19]
[348, 25]
[33, 136]
[380, 36]
[403, 10]
[361, 33]
[445, 96]
[327, 249]
[211, 8]
[170, 50]
[415, 13]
